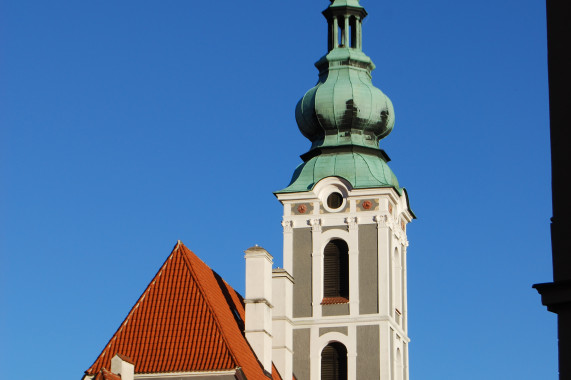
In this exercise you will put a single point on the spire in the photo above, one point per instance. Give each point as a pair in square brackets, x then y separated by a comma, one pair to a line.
[344, 115]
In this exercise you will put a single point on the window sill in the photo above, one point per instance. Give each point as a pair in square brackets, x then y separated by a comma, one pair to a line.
[334, 300]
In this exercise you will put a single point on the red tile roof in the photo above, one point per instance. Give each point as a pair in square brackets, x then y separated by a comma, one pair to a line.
[188, 319]
[106, 375]
[126, 358]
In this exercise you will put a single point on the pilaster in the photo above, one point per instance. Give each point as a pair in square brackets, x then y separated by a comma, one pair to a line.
[282, 326]
[353, 226]
[317, 264]
[288, 245]
[258, 304]
[384, 238]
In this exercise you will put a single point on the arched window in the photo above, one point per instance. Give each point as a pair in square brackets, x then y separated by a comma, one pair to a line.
[336, 269]
[334, 362]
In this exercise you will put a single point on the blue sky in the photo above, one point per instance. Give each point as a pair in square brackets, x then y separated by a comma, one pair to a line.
[126, 125]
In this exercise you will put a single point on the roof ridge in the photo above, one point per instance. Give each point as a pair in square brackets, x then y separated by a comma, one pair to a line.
[204, 295]
[135, 306]
[222, 326]
[187, 311]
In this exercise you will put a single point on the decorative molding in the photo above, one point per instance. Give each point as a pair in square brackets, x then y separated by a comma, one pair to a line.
[259, 331]
[259, 300]
[351, 222]
[367, 205]
[287, 225]
[401, 236]
[382, 221]
[362, 320]
[282, 273]
[282, 318]
[315, 224]
[304, 208]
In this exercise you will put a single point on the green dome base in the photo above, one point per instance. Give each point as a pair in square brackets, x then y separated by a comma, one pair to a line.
[363, 170]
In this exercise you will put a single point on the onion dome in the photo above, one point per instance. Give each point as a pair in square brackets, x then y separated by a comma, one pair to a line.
[344, 107]
[344, 115]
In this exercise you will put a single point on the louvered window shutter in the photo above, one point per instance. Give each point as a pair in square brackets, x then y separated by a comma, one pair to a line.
[336, 269]
[334, 362]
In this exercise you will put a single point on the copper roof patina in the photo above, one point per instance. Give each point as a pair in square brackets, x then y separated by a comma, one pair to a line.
[344, 115]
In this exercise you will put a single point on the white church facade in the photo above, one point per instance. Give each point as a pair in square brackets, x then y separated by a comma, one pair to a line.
[338, 307]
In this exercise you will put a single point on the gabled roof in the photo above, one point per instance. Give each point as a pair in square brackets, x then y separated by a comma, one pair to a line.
[187, 320]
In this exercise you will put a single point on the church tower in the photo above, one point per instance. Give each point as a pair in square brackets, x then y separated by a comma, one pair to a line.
[344, 221]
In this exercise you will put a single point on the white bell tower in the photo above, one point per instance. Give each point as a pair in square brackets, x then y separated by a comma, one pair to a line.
[345, 219]
[369, 317]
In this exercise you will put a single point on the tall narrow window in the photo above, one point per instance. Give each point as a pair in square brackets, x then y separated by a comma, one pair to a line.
[334, 362]
[341, 35]
[353, 33]
[336, 270]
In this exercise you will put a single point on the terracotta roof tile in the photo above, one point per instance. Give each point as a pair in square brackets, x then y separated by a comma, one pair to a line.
[126, 358]
[187, 320]
[104, 374]
[334, 300]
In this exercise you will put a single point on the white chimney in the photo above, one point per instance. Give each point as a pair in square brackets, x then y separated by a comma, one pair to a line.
[259, 304]
[124, 366]
[282, 354]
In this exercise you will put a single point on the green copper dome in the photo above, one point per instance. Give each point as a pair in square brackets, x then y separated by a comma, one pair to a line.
[344, 115]
[360, 169]
[344, 107]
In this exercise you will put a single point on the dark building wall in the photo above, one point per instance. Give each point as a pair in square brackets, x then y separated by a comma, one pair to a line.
[558, 42]
[368, 352]
[302, 248]
[333, 310]
[301, 344]
[368, 270]
[557, 295]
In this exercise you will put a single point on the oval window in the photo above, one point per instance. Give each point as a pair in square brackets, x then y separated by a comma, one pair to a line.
[334, 201]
